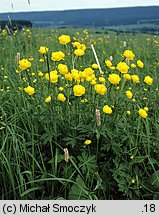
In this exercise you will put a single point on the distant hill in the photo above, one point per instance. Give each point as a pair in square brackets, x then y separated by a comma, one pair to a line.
[89, 17]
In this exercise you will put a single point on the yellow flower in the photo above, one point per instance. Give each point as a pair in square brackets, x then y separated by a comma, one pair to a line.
[127, 76]
[132, 181]
[100, 89]
[78, 90]
[40, 74]
[108, 63]
[132, 157]
[129, 94]
[107, 109]
[63, 68]
[133, 65]
[64, 39]
[135, 78]
[48, 99]
[114, 78]
[29, 90]
[57, 56]
[148, 80]
[128, 112]
[79, 52]
[146, 109]
[24, 64]
[143, 113]
[101, 79]
[87, 142]
[122, 67]
[82, 46]
[52, 76]
[61, 88]
[95, 66]
[68, 76]
[61, 97]
[76, 44]
[43, 49]
[140, 64]
[41, 60]
[129, 54]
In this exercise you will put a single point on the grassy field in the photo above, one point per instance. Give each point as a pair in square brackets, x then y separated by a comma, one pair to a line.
[72, 130]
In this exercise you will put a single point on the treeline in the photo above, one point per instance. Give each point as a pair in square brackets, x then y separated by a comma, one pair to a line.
[15, 24]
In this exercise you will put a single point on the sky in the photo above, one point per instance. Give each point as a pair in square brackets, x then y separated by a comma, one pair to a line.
[40, 5]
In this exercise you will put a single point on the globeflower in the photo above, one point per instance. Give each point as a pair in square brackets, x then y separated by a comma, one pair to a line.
[61, 97]
[24, 64]
[63, 68]
[122, 67]
[140, 64]
[129, 54]
[127, 76]
[108, 63]
[78, 90]
[29, 90]
[101, 79]
[57, 56]
[129, 94]
[52, 76]
[64, 39]
[87, 142]
[135, 78]
[95, 66]
[114, 78]
[79, 52]
[48, 99]
[143, 113]
[100, 89]
[43, 49]
[148, 80]
[107, 109]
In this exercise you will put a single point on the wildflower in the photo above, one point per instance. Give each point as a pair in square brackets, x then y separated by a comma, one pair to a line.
[29, 90]
[100, 89]
[64, 39]
[107, 109]
[24, 64]
[61, 88]
[63, 68]
[87, 142]
[40, 74]
[101, 79]
[122, 67]
[48, 99]
[78, 90]
[133, 65]
[41, 60]
[61, 97]
[108, 63]
[95, 66]
[52, 76]
[57, 56]
[129, 54]
[68, 76]
[148, 80]
[127, 76]
[146, 109]
[76, 44]
[140, 64]
[132, 181]
[129, 94]
[79, 52]
[135, 78]
[43, 49]
[132, 157]
[114, 79]
[143, 113]
[128, 112]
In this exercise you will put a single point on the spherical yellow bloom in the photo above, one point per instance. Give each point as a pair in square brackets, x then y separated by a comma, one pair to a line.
[43, 49]
[78, 90]
[64, 39]
[52, 76]
[107, 109]
[93, 82]
[95, 66]
[129, 94]
[48, 99]
[135, 78]
[24, 64]
[87, 142]
[41, 60]
[114, 79]
[146, 109]
[63, 68]
[82, 46]
[101, 79]
[133, 181]
[129, 54]
[40, 74]
[128, 112]
[29, 90]
[61, 97]
[60, 88]
[140, 64]
[57, 56]
[143, 113]
[133, 65]
[122, 67]
[68, 76]
[127, 76]
[100, 89]
[108, 63]
[76, 44]
[79, 52]
[148, 80]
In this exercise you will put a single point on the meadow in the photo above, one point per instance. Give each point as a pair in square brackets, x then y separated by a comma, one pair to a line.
[78, 122]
